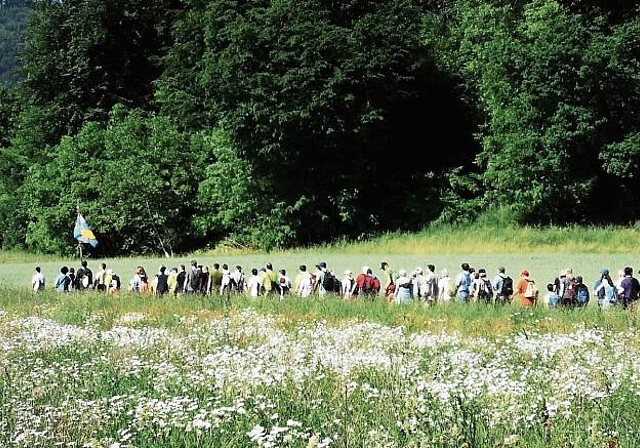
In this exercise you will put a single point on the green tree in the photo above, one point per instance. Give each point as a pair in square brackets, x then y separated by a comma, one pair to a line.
[339, 108]
[544, 79]
[84, 56]
[80, 58]
[135, 178]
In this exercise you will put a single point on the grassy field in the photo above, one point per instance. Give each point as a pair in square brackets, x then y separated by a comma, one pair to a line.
[88, 370]
[136, 371]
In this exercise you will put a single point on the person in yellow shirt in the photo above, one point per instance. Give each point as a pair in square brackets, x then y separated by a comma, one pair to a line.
[172, 281]
[269, 281]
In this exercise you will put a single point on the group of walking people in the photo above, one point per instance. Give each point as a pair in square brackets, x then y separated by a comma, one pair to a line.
[425, 285]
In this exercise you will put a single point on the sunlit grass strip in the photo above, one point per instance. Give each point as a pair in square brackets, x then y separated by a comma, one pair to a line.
[496, 239]
[465, 319]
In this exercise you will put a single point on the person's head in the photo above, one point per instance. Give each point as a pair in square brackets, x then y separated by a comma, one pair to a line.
[348, 273]
[402, 273]
[64, 270]
[524, 273]
[303, 268]
[216, 265]
[444, 273]
[103, 265]
[283, 271]
[604, 272]
[269, 267]
[384, 265]
[628, 271]
[225, 267]
[550, 287]
[38, 269]
[369, 271]
[365, 269]
[254, 271]
[194, 263]
[72, 270]
[174, 269]
[431, 267]
[238, 268]
[578, 279]
[501, 270]
[84, 263]
[163, 269]
[322, 265]
[465, 266]
[183, 267]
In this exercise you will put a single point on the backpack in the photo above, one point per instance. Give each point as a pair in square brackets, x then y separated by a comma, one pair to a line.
[507, 287]
[531, 291]
[367, 286]
[375, 285]
[237, 285]
[484, 289]
[569, 292]
[330, 282]
[582, 294]
[611, 293]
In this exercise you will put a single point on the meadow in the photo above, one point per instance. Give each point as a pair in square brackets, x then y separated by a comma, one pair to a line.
[137, 371]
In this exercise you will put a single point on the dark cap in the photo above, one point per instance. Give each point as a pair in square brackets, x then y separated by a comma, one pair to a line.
[322, 264]
[383, 264]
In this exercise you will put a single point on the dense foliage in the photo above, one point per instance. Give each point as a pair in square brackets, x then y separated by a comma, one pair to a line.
[279, 124]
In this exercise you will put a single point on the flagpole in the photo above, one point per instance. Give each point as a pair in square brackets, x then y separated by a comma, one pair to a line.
[79, 243]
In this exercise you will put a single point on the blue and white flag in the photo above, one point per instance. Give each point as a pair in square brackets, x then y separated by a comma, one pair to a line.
[83, 233]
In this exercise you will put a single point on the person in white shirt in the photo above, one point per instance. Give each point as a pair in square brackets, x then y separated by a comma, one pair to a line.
[253, 284]
[348, 285]
[37, 281]
[305, 284]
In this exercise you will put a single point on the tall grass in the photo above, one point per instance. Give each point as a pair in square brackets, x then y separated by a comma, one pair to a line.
[464, 319]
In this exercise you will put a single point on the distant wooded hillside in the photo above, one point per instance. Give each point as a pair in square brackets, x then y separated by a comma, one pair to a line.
[13, 20]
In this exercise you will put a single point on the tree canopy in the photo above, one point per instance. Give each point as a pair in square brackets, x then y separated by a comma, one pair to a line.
[180, 124]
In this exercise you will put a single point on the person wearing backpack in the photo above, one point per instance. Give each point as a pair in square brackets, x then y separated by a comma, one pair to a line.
[162, 281]
[463, 283]
[37, 281]
[567, 291]
[284, 283]
[430, 282]
[526, 290]
[605, 290]
[630, 287]
[503, 286]
[483, 290]
[363, 284]
[582, 292]
[551, 299]
[404, 288]
[348, 285]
